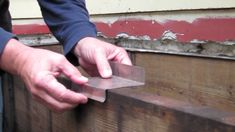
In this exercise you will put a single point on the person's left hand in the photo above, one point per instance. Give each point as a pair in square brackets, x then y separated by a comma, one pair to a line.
[94, 54]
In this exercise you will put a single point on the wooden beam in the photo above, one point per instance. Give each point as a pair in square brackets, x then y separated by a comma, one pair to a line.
[203, 81]
[181, 94]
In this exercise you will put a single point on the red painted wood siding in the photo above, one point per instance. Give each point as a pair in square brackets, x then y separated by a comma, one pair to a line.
[213, 29]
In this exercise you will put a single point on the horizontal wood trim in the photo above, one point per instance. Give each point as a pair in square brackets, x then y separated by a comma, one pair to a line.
[201, 29]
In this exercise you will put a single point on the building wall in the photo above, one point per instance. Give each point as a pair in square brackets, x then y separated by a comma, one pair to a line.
[185, 20]
[124, 6]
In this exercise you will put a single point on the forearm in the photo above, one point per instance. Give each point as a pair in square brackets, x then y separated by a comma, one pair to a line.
[13, 56]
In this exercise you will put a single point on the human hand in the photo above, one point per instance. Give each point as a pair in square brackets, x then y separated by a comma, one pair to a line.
[39, 68]
[94, 55]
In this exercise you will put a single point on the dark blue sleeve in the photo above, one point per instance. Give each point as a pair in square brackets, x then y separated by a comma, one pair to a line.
[5, 25]
[4, 38]
[69, 21]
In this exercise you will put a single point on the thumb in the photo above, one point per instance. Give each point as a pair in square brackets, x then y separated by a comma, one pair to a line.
[103, 65]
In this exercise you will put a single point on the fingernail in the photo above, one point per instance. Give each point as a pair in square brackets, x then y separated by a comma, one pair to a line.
[107, 73]
[85, 100]
[84, 79]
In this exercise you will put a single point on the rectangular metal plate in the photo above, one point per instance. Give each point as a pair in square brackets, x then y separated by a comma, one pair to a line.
[123, 76]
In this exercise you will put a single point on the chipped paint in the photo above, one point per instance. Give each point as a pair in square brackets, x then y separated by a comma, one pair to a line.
[30, 29]
[161, 17]
[169, 35]
[126, 36]
[165, 46]
[169, 46]
[38, 40]
[140, 28]
[202, 29]
[199, 35]
[185, 28]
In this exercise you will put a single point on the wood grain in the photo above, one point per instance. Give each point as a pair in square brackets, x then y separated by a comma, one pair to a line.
[195, 80]
[181, 94]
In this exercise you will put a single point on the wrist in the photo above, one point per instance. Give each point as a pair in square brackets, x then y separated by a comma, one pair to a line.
[80, 43]
[14, 56]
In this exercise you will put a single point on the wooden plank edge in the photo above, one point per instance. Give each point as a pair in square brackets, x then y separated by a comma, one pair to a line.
[206, 116]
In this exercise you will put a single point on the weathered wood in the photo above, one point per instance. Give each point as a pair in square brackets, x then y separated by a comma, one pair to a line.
[22, 112]
[30, 115]
[181, 94]
[172, 114]
[9, 103]
[129, 110]
[40, 117]
[195, 80]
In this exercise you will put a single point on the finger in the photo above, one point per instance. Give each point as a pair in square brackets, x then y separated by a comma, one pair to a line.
[59, 92]
[121, 56]
[103, 64]
[72, 73]
[52, 103]
[124, 59]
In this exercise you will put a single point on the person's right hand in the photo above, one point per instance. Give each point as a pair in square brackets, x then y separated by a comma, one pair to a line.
[94, 56]
[39, 68]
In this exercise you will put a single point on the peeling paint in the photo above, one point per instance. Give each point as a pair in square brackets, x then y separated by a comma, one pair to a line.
[38, 40]
[201, 49]
[189, 16]
[136, 44]
[126, 36]
[202, 29]
[30, 29]
[169, 35]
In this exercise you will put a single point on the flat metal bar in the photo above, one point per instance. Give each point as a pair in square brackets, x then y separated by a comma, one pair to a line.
[123, 76]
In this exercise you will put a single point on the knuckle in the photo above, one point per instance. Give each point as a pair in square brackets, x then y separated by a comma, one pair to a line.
[42, 80]
[37, 84]
[62, 96]
[61, 58]
[37, 80]
[34, 92]
[122, 50]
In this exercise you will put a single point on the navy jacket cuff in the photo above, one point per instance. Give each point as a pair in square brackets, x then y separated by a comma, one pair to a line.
[74, 37]
[4, 38]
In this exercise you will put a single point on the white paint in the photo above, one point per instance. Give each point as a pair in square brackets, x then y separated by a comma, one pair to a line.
[131, 37]
[25, 9]
[162, 17]
[30, 8]
[169, 35]
[39, 21]
[123, 6]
